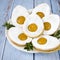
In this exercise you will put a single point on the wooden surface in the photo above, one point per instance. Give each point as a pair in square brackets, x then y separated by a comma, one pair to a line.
[7, 51]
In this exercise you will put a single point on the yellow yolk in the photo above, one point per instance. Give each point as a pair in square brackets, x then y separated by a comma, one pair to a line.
[42, 41]
[21, 20]
[40, 14]
[32, 27]
[47, 25]
[22, 36]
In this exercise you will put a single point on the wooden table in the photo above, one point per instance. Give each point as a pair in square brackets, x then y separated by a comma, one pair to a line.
[7, 51]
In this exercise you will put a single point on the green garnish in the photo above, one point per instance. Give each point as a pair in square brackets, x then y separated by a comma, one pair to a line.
[29, 46]
[56, 34]
[8, 25]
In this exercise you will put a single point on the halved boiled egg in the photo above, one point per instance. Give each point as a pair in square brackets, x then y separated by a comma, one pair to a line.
[17, 36]
[19, 15]
[33, 26]
[51, 24]
[42, 10]
[46, 43]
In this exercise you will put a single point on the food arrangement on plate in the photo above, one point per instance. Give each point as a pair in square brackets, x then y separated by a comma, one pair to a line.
[36, 30]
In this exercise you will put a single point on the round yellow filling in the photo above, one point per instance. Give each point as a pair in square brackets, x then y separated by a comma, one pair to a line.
[47, 26]
[32, 27]
[22, 36]
[21, 20]
[40, 14]
[42, 40]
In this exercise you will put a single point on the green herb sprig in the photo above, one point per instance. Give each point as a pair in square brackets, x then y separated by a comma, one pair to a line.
[29, 46]
[8, 25]
[56, 34]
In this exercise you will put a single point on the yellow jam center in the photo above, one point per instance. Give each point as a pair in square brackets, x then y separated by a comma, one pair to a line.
[21, 20]
[22, 36]
[47, 26]
[32, 27]
[42, 41]
[40, 14]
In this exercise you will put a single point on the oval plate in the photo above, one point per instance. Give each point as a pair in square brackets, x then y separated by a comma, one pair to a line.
[22, 48]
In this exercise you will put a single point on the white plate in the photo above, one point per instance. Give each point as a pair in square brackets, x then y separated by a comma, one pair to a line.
[22, 48]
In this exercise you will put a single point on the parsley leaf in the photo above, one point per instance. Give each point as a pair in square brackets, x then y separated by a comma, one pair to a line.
[29, 46]
[8, 25]
[56, 34]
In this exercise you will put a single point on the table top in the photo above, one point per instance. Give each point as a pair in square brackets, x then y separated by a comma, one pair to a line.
[7, 51]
